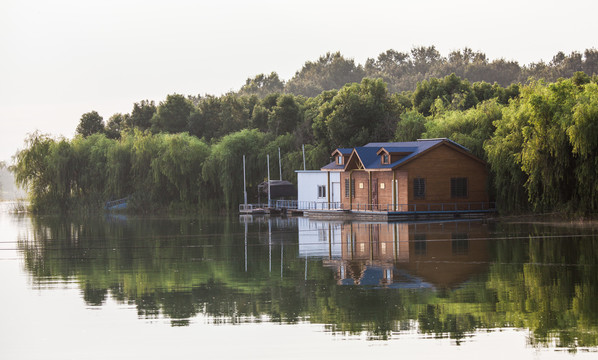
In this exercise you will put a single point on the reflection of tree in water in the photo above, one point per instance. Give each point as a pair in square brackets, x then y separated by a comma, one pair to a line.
[179, 269]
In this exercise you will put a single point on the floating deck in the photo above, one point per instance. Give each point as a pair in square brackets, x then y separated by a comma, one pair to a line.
[395, 215]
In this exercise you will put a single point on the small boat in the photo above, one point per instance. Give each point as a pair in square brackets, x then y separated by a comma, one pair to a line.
[120, 204]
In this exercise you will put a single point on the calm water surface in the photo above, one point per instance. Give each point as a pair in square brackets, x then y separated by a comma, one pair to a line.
[118, 287]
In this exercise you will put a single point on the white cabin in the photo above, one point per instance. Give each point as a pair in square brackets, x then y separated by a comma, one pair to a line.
[318, 189]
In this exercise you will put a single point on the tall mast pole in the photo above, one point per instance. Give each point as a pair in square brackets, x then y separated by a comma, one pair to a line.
[268, 160]
[244, 183]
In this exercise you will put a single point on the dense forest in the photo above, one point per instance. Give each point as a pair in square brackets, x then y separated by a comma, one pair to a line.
[536, 126]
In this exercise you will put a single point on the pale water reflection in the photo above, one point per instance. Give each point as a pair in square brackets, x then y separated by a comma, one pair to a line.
[129, 287]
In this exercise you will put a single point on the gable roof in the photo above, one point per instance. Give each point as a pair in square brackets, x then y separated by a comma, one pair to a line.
[368, 154]
[343, 151]
[333, 165]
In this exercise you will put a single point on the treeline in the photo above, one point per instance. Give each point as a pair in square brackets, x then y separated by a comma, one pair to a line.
[402, 71]
[539, 139]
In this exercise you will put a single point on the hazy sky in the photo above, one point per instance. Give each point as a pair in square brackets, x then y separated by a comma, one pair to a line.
[60, 59]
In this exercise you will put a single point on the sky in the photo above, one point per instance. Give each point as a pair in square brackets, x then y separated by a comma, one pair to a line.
[62, 58]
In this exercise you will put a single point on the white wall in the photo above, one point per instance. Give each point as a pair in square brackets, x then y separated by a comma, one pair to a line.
[307, 188]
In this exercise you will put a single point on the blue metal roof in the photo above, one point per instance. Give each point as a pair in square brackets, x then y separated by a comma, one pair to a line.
[371, 160]
[345, 151]
[333, 166]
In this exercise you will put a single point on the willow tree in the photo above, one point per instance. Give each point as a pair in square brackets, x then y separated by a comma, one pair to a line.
[503, 151]
[470, 128]
[546, 155]
[583, 135]
[223, 169]
[180, 160]
[45, 168]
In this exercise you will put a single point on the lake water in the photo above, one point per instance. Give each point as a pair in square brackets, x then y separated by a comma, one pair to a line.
[227, 287]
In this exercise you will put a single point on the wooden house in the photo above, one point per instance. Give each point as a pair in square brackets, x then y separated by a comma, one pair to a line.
[427, 174]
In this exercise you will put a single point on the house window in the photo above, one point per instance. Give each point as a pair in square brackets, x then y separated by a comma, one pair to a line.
[339, 160]
[321, 191]
[419, 188]
[458, 187]
[361, 185]
[381, 185]
[349, 188]
[385, 159]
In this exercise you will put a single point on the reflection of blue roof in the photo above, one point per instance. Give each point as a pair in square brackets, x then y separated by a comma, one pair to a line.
[373, 276]
[371, 160]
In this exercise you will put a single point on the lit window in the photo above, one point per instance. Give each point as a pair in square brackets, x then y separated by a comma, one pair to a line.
[381, 185]
[361, 185]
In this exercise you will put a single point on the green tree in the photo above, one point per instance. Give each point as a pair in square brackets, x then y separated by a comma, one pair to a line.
[180, 160]
[91, 161]
[141, 115]
[90, 123]
[204, 121]
[172, 115]
[262, 85]
[235, 114]
[360, 113]
[331, 71]
[223, 169]
[583, 136]
[116, 125]
[410, 127]
[455, 93]
[285, 116]
[470, 128]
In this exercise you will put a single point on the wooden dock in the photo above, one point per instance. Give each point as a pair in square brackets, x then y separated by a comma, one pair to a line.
[406, 212]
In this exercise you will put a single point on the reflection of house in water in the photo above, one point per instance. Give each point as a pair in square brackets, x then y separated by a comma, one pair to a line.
[405, 255]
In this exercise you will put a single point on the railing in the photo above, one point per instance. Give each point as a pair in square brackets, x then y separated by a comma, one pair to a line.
[426, 207]
[291, 204]
[251, 207]
[308, 205]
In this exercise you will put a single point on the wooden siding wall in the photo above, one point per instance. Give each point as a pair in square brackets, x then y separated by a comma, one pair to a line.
[441, 164]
